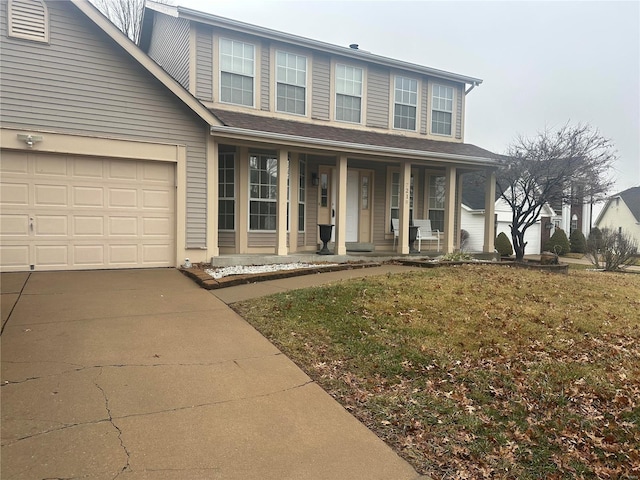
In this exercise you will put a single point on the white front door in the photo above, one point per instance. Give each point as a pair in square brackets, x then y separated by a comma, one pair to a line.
[353, 196]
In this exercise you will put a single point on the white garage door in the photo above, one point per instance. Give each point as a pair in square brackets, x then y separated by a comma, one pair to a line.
[63, 212]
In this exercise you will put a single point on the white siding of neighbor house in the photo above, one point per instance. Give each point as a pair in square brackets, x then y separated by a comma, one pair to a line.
[83, 83]
[617, 215]
[531, 236]
[474, 224]
[169, 47]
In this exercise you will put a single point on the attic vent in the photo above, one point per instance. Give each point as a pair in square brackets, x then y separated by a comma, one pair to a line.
[28, 19]
[354, 46]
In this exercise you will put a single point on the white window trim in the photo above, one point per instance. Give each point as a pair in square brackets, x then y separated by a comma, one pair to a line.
[390, 172]
[427, 183]
[235, 191]
[336, 93]
[394, 103]
[251, 199]
[253, 75]
[11, 13]
[276, 82]
[302, 175]
[452, 112]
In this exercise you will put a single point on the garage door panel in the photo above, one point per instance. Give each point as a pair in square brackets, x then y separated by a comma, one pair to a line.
[51, 225]
[160, 199]
[92, 169]
[14, 225]
[46, 195]
[88, 225]
[87, 212]
[47, 165]
[89, 255]
[16, 256]
[123, 198]
[123, 226]
[124, 255]
[84, 197]
[14, 194]
[52, 255]
[123, 170]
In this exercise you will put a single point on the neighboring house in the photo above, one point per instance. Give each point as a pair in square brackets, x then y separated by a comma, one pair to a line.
[621, 213]
[473, 219]
[244, 135]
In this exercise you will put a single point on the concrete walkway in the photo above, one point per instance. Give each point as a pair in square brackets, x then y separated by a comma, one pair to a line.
[140, 374]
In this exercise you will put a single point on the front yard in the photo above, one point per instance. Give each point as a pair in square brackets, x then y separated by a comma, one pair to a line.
[478, 371]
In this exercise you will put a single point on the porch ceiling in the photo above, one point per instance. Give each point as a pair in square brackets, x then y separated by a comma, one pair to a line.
[374, 143]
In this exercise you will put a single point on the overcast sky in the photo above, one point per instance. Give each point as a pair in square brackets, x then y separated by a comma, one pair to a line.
[543, 63]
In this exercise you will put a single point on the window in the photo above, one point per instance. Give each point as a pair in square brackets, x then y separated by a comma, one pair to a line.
[348, 93]
[291, 83]
[436, 201]
[236, 72]
[441, 110]
[396, 196]
[302, 193]
[406, 102]
[226, 191]
[263, 191]
[28, 19]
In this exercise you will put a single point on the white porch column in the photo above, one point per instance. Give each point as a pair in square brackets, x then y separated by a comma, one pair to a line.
[489, 213]
[281, 215]
[242, 225]
[294, 194]
[341, 207]
[212, 198]
[449, 209]
[404, 201]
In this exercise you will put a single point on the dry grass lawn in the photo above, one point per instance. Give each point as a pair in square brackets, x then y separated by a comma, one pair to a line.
[478, 371]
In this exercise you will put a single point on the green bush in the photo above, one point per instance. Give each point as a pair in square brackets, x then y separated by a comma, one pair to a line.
[503, 245]
[578, 242]
[558, 243]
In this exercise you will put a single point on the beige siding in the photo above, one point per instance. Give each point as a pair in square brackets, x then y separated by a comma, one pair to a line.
[423, 107]
[377, 98]
[226, 239]
[262, 239]
[83, 83]
[169, 47]
[204, 63]
[460, 97]
[321, 87]
[379, 205]
[264, 77]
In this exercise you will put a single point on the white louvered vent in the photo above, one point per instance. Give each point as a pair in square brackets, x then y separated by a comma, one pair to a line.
[28, 19]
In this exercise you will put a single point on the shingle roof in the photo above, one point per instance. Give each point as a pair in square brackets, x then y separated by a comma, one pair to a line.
[473, 189]
[364, 138]
[632, 198]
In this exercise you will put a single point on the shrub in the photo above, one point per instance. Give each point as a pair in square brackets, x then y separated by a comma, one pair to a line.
[558, 243]
[578, 242]
[615, 249]
[464, 240]
[503, 245]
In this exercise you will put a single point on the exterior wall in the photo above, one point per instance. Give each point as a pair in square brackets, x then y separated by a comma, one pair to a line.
[320, 84]
[265, 77]
[204, 63]
[377, 98]
[169, 47]
[617, 216]
[84, 84]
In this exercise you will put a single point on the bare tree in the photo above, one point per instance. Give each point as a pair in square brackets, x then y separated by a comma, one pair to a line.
[125, 14]
[568, 165]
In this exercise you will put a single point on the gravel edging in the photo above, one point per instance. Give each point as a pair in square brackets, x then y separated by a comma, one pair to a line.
[206, 281]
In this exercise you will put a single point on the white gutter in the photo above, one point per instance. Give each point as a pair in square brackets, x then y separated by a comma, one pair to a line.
[250, 29]
[335, 144]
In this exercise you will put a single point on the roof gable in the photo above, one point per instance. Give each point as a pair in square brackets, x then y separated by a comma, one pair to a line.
[632, 198]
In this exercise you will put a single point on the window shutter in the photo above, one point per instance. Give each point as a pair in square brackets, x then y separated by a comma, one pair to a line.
[28, 19]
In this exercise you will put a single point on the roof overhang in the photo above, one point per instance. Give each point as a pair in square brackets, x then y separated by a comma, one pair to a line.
[302, 142]
[356, 54]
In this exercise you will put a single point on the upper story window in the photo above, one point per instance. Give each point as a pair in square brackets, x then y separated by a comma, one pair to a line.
[405, 103]
[28, 19]
[291, 83]
[237, 66]
[348, 93]
[441, 110]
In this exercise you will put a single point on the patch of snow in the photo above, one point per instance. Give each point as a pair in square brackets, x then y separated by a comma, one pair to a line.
[248, 269]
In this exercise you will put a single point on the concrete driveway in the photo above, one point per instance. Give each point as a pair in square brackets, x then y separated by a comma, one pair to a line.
[140, 374]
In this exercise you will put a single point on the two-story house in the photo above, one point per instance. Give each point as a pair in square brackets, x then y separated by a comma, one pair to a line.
[215, 137]
[313, 133]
